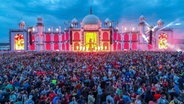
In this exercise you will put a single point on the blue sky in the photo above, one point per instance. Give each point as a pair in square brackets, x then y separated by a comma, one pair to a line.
[55, 12]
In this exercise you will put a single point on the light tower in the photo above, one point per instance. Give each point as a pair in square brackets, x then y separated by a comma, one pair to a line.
[143, 42]
[40, 44]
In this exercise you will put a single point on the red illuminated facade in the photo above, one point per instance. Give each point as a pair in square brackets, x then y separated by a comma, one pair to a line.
[90, 35]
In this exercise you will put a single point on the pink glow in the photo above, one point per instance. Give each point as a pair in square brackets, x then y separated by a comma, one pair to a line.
[126, 45]
[76, 36]
[105, 36]
[119, 37]
[56, 46]
[56, 38]
[48, 39]
[126, 37]
[134, 45]
[48, 46]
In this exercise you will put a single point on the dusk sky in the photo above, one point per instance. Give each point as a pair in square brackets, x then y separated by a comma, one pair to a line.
[55, 12]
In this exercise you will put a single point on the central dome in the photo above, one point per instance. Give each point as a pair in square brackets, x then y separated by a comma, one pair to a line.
[90, 19]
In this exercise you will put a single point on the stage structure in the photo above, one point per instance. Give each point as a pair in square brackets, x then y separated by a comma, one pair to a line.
[154, 37]
[90, 35]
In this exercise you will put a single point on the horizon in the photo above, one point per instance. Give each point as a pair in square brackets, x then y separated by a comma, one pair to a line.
[56, 12]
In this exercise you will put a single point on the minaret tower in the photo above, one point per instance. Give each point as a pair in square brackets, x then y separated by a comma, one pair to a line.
[40, 44]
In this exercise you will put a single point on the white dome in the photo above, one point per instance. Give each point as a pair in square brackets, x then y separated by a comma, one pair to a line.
[22, 23]
[90, 19]
[107, 20]
[141, 18]
[74, 20]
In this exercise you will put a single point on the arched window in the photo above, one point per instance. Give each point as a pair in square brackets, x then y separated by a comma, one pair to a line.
[134, 45]
[126, 45]
[56, 46]
[48, 39]
[76, 36]
[105, 46]
[48, 46]
[105, 36]
[76, 46]
[56, 38]
[134, 37]
[18, 42]
[126, 37]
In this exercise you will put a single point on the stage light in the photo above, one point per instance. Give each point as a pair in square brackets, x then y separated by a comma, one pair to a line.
[98, 47]
[57, 29]
[49, 29]
[133, 29]
[33, 29]
[125, 29]
[178, 24]
[105, 47]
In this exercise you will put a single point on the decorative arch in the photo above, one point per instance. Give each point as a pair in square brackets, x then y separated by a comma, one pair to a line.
[56, 46]
[56, 38]
[48, 46]
[48, 38]
[76, 36]
[134, 37]
[126, 37]
[19, 42]
[76, 46]
[105, 36]
[126, 45]
[134, 45]
[105, 46]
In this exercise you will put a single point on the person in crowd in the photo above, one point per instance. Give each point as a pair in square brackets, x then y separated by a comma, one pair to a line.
[96, 78]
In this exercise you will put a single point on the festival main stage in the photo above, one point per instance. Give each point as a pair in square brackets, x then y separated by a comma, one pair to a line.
[90, 35]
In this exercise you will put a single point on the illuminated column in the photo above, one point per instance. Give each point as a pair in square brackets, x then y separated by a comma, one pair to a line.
[52, 41]
[82, 39]
[62, 42]
[40, 34]
[130, 41]
[36, 42]
[122, 41]
[116, 48]
[65, 41]
[60, 46]
[157, 39]
[44, 40]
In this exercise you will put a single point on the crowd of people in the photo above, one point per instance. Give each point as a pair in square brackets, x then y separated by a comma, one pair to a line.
[128, 77]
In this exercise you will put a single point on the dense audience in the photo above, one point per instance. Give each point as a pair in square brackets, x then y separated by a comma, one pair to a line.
[130, 77]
